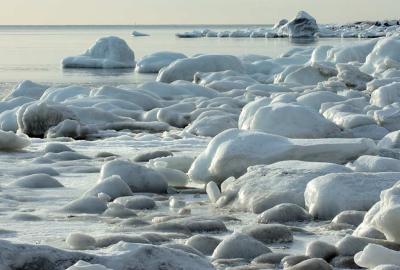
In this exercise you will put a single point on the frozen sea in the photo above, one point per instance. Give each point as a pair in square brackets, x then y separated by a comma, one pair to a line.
[35, 52]
[38, 216]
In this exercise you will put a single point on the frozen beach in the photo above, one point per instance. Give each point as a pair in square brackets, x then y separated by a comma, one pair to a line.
[164, 147]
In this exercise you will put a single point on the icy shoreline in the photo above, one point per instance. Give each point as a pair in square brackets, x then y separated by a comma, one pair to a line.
[293, 161]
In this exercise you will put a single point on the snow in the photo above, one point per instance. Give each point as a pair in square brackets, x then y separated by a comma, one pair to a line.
[139, 178]
[266, 186]
[328, 195]
[107, 52]
[9, 141]
[231, 152]
[375, 255]
[185, 69]
[154, 62]
[383, 56]
[291, 121]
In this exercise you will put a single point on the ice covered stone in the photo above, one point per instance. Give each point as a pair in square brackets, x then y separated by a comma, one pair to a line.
[154, 62]
[107, 52]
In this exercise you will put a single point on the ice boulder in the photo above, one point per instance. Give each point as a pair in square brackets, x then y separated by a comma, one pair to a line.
[113, 186]
[265, 186]
[326, 196]
[82, 265]
[303, 26]
[184, 69]
[231, 152]
[385, 215]
[121, 256]
[69, 128]
[289, 120]
[139, 178]
[39, 180]
[107, 52]
[27, 89]
[9, 141]
[386, 95]
[375, 164]
[391, 140]
[36, 118]
[375, 255]
[210, 123]
[383, 57]
[154, 62]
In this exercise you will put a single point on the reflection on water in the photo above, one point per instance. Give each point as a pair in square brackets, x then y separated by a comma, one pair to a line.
[97, 72]
[304, 41]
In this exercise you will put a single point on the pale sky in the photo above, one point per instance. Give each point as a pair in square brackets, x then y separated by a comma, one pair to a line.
[190, 11]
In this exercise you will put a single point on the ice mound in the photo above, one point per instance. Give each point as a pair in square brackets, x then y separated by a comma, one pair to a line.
[265, 186]
[139, 178]
[303, 26]
[36, 118]
[288, 120]
[107, 52]
[9, 141]
[386, 95]
[384, 215]
[154, 62]
[82, 265]
[184, 69]
[113, 186]
[178, 89]
[37, 181]
[231, 152]
[121, 256]
[326, 196]
[383, 57]
[211, 123]
[27, 89]
[375, 255]
[375, 164]
[240, 245]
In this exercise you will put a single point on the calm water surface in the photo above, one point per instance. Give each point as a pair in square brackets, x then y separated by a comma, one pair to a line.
[35, 52]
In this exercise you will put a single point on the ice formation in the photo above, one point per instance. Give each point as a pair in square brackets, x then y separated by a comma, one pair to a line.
[141, 175]
[107, 52]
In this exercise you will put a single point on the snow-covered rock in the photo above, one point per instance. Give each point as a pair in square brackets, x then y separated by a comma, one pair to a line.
[121, 256]
[375, 164]
[266, 186]
[154, 62]
[231, 152]
[9, 141]
[27, 89]
[303, 26]
[383, 56]
[139, 178]
[326, 196]
[289, 120]
[107, 52]
[113, 186]
[184, 69]
[37, 181]
[375, 255]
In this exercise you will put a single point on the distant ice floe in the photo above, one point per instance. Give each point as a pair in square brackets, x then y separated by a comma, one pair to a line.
[139, 34]
[305, 26]
[107, 52]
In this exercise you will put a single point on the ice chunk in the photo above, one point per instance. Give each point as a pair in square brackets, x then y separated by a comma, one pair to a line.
[184, 69]
[107, 52]
[327, 196]
[303, 26]
[154, 62]
[289, 120]
[9, 141]
[231, 152]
